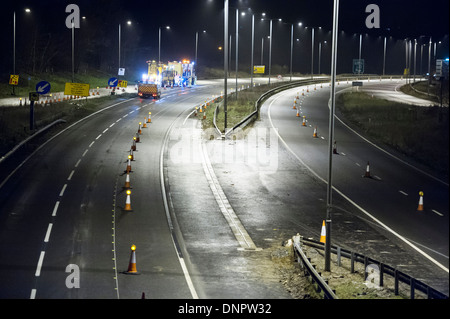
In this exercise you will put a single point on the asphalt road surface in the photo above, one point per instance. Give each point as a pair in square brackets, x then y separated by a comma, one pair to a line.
[204, 212]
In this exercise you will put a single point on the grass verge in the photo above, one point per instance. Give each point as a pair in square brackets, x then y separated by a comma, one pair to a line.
[15, 121]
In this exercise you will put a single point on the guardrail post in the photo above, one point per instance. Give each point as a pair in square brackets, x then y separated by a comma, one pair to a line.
[352, 262]
[381, 274]
[338, 253]
[412, 284]
[396, 282]
[365, 267]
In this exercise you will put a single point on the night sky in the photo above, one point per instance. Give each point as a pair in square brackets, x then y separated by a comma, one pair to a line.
[44, 42]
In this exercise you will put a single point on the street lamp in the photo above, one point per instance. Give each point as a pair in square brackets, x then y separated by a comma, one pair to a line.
[196, 49]
[120, 35]
[159, 46]
[27, 10]
[327, 266]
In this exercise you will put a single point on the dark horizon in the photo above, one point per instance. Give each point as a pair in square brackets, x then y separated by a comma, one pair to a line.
[43, 42]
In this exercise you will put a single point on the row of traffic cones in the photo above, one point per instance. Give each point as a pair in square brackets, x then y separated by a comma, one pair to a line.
[132, 268]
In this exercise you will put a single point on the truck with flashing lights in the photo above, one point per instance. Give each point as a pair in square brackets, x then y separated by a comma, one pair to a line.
[147, 90]
[175, 73]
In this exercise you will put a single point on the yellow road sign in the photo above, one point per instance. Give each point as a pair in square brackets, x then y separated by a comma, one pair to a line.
[259, 69]
[122, 84]
[79, 89]
[13, 79]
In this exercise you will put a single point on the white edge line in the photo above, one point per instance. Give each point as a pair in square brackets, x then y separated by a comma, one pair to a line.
[352, 202]
[166, 208]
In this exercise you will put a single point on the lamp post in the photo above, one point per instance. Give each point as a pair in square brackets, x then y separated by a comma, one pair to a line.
[159, 44]
[225, 62]
[196, 50]
[331, 136]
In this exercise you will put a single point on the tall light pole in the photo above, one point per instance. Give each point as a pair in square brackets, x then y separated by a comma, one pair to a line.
[331, 137]
[73, 51]
[292, 48]
[384, 56]
[312, 53]
[237, 49]
[225, 62]
[159, 44]
[14, 49]
[359, 57]
[270, 50]
[253, 48]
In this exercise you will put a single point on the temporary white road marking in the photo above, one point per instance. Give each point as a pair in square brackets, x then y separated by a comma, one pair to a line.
[55, 209]
[70, 176]
[105, 130]
[112, 125]
[98, 137]
[39, 265]
[78, 163]
[33, 294]
[90, 145]
[85, 152]
[402, 192]
[47, 235]
[436, 212]
[62, 190]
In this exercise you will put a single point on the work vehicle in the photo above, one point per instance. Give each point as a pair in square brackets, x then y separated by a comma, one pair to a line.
[146, 90]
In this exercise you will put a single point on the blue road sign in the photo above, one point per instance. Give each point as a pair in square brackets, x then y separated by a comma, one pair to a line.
[112, 82]
[43, 87]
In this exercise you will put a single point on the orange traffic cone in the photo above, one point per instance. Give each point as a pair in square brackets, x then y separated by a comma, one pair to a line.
[420, 207]
[133, 147]
[128, 201]
[367, 174]
[149, 120]
[323, 233]
[139, 128]
[145, 123]
[129, 164]
[127, 181]
[315, 132]
[132, 270]
[131, 154]
[298, 113]
[304, 121]
[195, 113]
[137, 138]
[295, 104]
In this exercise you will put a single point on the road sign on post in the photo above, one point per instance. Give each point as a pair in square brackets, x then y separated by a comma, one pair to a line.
[43, 87]
[358, 66]
[259, 69]
[13, 79]
[112, 82]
